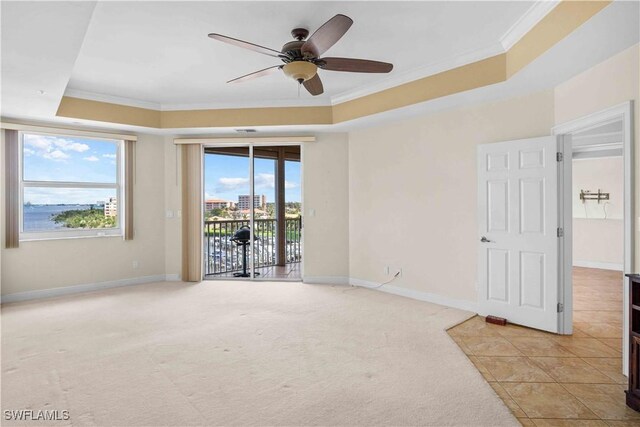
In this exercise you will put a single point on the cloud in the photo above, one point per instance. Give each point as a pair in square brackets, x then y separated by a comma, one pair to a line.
[230, 184]
[109, 156]
[52, 147]
[265, 180]
[92, 159]
[55, 155]
[262, 181]
[66, 145]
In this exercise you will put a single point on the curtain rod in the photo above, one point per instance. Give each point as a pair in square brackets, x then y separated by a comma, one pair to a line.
[66, 131]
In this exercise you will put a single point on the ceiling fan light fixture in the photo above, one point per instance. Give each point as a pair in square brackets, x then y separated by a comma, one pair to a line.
[300, 70]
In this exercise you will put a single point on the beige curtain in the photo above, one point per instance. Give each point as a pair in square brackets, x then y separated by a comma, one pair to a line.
[129, 181]
[12, 196]
[192, 213]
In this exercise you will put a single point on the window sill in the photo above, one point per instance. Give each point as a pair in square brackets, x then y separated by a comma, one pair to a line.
[37, 238]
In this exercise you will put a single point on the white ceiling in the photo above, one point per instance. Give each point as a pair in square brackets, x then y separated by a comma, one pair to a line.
[159, 52]
[41, 42]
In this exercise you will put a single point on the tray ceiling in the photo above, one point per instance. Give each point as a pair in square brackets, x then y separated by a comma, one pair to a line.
[158, 53]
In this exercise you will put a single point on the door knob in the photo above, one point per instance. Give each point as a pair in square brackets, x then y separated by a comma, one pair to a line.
[485, 240]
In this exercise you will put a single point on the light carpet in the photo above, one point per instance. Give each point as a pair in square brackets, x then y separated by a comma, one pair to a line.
[241, 353]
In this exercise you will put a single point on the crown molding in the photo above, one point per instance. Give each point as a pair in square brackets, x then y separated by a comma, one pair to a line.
[419, 73]
[92, 96]
[526, 22]
[309, 102]
[111, 99]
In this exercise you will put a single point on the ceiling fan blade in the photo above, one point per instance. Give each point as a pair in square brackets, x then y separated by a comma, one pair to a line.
[247, 45]
[355, 65]
[314, 85]
[256, 74]
[327, 35]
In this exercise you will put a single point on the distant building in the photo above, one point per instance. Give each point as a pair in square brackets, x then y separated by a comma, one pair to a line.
[217, 204]
[258, 214]
[111, 207]
[259, 201]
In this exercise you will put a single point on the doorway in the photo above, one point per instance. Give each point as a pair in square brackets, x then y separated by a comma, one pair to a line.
[598, 235]
[597, 219]
[252, 213]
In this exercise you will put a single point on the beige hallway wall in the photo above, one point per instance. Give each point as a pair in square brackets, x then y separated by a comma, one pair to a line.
[39, 265]
[609, 83]
[598, 235]
[412, 192]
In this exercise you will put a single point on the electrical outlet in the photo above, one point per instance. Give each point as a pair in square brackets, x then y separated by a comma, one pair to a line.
[386, 270]
[399, 272]
[136, 264]
[169, 214]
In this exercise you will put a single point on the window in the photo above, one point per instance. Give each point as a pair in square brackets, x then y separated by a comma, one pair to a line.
[70, 186]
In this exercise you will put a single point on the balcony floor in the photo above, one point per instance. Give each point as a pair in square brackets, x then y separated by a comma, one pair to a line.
[274, 272]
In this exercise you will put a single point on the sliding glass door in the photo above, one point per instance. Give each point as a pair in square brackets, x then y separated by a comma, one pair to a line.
[252, 206]
[226, 181]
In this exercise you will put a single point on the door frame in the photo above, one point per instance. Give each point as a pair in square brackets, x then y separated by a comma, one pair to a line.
[624, 112]
[250, 145]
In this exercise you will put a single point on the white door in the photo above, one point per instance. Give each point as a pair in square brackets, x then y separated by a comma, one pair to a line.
[518, 231]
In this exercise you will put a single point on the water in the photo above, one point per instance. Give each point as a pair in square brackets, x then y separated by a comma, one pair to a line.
[38, 217]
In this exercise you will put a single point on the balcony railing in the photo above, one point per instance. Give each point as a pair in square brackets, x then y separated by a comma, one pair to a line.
[224, 256]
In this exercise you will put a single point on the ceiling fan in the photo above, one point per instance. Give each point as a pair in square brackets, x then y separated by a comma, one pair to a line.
[302, 59]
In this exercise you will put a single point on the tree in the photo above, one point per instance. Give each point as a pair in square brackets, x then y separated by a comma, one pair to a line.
[89, 218]
[271, 210]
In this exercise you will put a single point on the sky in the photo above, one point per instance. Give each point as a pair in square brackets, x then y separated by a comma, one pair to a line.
[226, 177]
[56, 158]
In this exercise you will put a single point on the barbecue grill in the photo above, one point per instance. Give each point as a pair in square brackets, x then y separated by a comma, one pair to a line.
[242, 237]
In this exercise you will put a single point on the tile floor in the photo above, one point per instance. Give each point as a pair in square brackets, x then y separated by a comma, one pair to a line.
[290, 272]
[553, 380]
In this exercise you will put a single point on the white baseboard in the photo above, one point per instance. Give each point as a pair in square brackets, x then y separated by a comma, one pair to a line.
[419, 295]
[395, 290]
[600, 265]
[88, 287]
[326, 280]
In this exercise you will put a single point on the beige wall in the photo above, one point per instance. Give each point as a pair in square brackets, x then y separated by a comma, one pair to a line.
[401, 195]
[157, 245]
[172, 204]
[326, 207]
[421, 174]
[607, 84]
[49, 264]
[598, 243]
[412, 192]
[598, 239]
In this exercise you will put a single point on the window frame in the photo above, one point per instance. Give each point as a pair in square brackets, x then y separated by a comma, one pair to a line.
[71, 233]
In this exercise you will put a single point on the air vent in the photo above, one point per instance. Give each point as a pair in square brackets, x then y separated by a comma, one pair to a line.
[246, 130]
